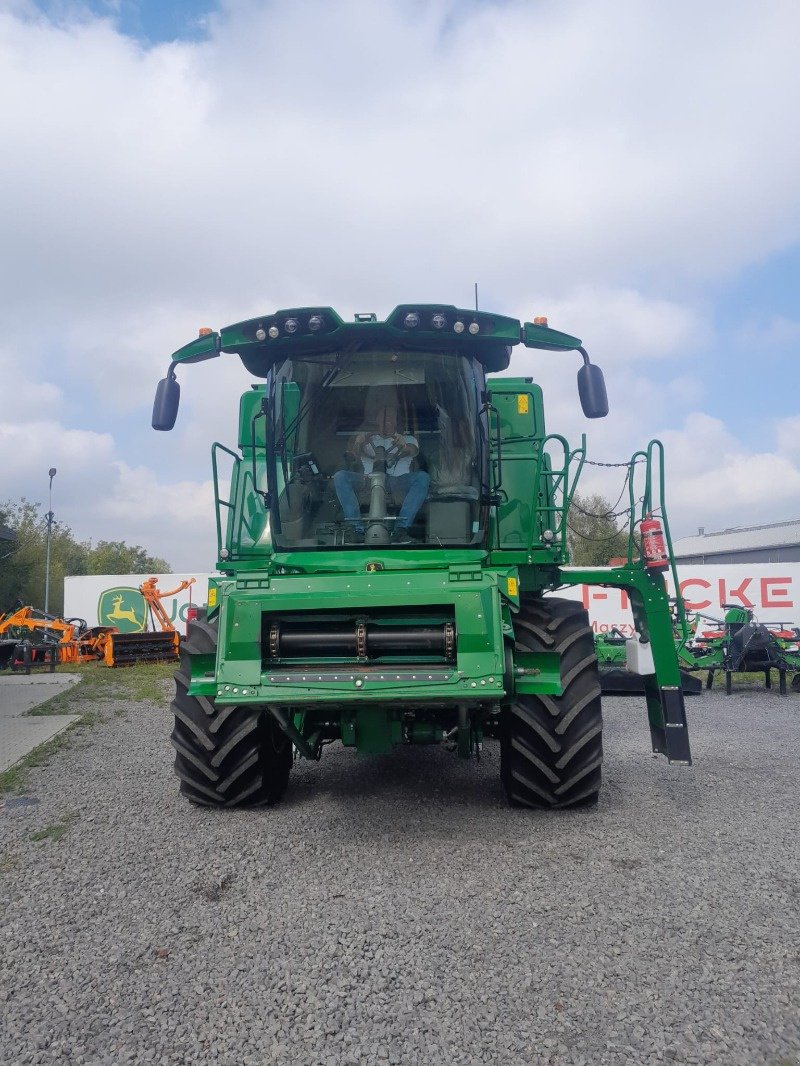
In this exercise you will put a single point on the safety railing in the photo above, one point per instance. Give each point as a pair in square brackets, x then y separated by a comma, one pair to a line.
[219, 503]
[646, 469]
[243, 492]
[555, 486]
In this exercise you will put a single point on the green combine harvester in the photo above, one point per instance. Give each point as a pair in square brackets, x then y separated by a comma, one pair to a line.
[387, 531]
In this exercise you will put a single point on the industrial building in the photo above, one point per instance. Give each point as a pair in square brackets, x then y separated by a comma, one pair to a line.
[778, 542]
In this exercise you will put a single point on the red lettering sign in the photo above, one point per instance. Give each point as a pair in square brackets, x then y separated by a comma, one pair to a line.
[775, 597]
[738, 592]
[700, 604]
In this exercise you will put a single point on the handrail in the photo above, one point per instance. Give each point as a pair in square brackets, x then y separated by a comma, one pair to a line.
[654, 505]
[555, 514]
[217, 499]
[240, 481]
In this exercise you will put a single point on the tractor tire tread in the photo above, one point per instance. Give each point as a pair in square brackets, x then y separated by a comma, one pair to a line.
[551, 746]
[225, 756]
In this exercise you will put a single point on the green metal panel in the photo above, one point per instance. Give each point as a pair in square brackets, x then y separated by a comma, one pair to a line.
[240, 641]
[537, 672]
[376, 733]
[548, 339]
[477, 674]
[249, 408]
[518, 403]
[197, 351]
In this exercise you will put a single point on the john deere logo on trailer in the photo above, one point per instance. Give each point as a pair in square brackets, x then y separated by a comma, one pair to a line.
[124, 608]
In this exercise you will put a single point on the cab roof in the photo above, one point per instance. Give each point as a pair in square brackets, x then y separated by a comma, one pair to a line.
[294, 332]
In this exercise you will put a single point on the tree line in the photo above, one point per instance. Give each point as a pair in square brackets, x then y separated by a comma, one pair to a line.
[595, 534]
[23, 550]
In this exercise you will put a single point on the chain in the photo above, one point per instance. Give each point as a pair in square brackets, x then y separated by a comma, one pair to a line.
[612, 513]
[591, 462]
[595, 539]
[598, 540]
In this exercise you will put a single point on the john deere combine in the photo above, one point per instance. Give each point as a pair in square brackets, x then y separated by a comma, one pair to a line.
[387, 530]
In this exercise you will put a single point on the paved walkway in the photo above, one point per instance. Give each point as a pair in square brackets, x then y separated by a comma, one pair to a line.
[19, 734]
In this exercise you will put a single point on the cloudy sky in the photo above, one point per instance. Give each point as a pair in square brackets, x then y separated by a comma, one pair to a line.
[628, 167]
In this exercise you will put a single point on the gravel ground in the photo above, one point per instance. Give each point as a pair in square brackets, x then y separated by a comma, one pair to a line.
[395, 910]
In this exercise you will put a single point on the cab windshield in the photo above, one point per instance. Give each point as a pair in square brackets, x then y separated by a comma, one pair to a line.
[376, 448]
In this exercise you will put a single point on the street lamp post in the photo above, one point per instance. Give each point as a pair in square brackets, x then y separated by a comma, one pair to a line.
[49, 516]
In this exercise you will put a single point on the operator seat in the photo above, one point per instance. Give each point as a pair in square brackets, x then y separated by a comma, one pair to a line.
[376, 399]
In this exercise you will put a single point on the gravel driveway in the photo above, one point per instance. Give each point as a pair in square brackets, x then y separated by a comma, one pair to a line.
[394, 909]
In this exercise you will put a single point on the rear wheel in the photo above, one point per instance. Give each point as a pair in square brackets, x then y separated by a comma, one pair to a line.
[552, 746]
[226, 756]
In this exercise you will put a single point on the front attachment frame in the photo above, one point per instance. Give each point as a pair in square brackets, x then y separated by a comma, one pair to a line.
[650, 604]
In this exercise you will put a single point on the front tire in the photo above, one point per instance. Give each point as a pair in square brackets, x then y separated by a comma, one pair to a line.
[551, 747]
[225, 756]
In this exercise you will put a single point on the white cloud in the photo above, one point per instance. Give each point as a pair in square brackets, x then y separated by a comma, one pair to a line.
[101, 497]
[29, 444]
[171, 519]
[24, 395]
[361, 155]
[787, 433]
[622, 324]
[717, 481]
[509, 147]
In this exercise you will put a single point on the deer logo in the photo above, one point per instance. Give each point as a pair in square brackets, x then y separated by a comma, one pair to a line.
[124, 608]
[118, 613]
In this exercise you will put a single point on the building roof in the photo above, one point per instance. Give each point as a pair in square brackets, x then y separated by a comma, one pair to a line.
[7, 534]
[744, 538]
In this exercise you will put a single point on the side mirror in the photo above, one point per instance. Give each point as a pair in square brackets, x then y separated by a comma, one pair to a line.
[165, 405]
[592, 391]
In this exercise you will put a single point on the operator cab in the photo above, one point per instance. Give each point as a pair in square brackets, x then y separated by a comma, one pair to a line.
[356, 435]
[377, 432]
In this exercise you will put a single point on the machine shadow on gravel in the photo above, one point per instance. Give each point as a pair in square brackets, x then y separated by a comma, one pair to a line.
[407, 777]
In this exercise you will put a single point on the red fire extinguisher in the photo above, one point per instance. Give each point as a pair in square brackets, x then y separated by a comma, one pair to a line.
[654, 548]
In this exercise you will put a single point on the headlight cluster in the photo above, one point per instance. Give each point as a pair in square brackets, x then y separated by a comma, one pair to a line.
[313, 324]
[439, 320]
